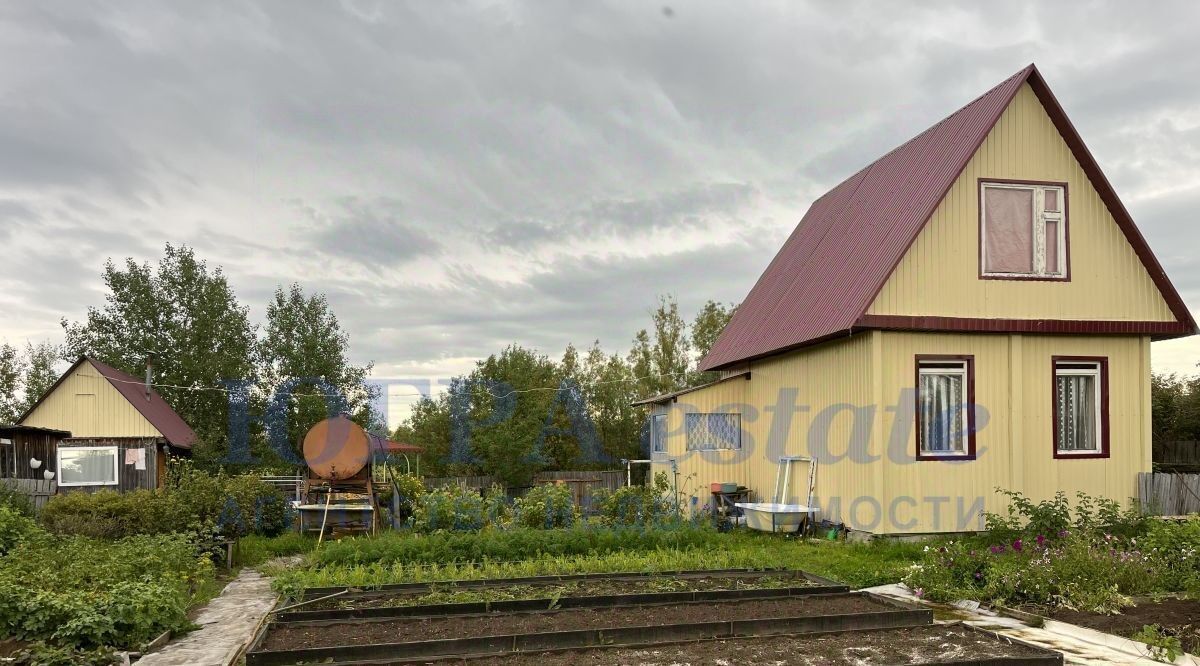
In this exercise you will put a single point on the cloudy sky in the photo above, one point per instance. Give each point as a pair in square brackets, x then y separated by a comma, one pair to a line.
[460, 175]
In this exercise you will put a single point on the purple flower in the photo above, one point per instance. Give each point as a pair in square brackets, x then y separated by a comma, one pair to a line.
[1017, 545]
[1041, 541]
[1063, 533]
[996, 550]
[978, 575]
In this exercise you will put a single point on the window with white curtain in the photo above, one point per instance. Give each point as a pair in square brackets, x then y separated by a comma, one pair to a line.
[943, 409]
[706, 432]
[658, 433]
[1078, 410]
[87, 465]
[1023, 230]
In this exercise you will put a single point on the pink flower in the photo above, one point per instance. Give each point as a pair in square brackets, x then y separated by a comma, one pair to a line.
[1017, 545]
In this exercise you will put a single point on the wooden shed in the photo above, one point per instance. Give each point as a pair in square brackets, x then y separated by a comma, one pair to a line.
[120, 430]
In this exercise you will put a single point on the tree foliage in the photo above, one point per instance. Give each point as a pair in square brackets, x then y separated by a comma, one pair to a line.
[304, 351]
[24, 377]
[519, 411]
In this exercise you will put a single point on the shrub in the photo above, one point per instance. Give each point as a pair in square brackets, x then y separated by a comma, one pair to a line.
[1049, 518]
[15, 527]
[18, 501]
[86, 592]
[203, 505]
[496, 507]
[410, 488]
[1078, 571]
[452, 508]
[40, 653]
[546, 506]
[637, 505]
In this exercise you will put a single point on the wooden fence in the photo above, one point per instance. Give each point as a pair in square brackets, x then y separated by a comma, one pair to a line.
[1166, 494]
[39, 490]
[582, 483]
[1177, 456]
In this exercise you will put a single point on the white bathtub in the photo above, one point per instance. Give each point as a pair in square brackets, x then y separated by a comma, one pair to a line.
[769, 517]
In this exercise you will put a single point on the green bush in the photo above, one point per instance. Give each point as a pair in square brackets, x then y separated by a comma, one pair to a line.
[201, 504]
[449, 508]
[83, 592]
[40, 653]
[1077, 571]
[15, 527]
[546, 506]
[637, 505]
[19, 502]
[1055, 516]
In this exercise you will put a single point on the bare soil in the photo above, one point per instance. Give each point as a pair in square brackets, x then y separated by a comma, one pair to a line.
[919, 645]
[1176, 617]
[450, 593]
[292, 637]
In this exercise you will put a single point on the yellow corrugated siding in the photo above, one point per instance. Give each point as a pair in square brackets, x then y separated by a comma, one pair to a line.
[881, 487]
[939, 274]
[1013, 380]
[87, 405]
[827, 382]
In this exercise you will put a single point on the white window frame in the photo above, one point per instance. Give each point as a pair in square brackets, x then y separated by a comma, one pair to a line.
[116, 466]
[657, 446]
[1098, 395]
[927, 367]
[1040, 217]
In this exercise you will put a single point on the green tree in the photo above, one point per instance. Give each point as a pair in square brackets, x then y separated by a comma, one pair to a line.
[11, 371]
[661, 360]
[706, 328]
[40, 374]
[184, 315]
[303, 345]
[610, 388]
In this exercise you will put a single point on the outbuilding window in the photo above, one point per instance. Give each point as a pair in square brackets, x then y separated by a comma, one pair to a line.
[1023, 230]
[706, 432]
[87, 465]
[658, 433]
[1080, 407]
[945, 407]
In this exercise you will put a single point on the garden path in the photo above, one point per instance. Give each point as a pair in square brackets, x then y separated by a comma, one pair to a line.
[1079, 645]
[227, 624]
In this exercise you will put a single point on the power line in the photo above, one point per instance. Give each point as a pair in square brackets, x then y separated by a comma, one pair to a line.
[390, 395]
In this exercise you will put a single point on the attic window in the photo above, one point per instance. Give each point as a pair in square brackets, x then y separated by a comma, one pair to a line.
[1023, 230]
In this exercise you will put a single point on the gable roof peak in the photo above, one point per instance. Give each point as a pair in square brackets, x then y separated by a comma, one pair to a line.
[833, 265]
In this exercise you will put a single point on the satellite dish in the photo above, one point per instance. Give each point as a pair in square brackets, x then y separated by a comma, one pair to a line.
[48, 475]
[35, 463]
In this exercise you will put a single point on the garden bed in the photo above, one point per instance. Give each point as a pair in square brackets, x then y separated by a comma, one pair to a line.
[555, 587]
[440, 635]
[1175, 617]
[934, 644]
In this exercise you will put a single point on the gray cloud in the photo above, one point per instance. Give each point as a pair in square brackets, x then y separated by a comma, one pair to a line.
[460, 175]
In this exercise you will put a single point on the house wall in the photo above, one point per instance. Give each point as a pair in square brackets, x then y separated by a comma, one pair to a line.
[788, 401]
[128, 476]
[87, 405]
[1014, 439]
[852, 405]
[939, 274]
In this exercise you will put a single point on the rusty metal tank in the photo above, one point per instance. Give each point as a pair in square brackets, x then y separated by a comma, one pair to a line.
[336, 449]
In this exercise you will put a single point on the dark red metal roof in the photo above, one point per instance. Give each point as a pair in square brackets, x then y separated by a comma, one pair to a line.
[155, 409]
[821, 283]
[385, 445]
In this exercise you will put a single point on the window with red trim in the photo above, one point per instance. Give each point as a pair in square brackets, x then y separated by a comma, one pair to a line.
[1023, 231]
[1080, 397]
